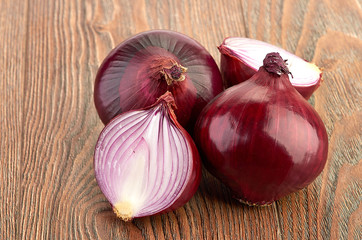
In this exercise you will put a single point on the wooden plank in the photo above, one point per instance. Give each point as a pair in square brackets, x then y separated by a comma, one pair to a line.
[58, 189]
[341, 182]
[12, 75]
[66, 42]
[50, 55]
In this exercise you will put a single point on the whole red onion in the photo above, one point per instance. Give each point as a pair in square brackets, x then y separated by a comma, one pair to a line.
[242, 57]
[261, 137]
[145, 66]
[145, 162]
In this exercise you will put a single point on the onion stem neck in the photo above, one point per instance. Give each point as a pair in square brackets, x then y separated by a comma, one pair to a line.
[174, 73]
[274, 63]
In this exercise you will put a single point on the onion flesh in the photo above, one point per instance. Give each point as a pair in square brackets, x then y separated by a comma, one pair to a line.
[146, 163]
[242, 57]
[261, 137]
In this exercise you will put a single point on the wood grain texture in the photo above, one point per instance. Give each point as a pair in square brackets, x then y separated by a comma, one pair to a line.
[12, 51]
[50, 52]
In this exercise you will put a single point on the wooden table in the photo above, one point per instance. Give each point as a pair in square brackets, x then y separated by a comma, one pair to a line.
[49, 55]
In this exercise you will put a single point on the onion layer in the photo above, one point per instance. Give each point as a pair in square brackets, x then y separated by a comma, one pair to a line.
[146, 163]
[242, 57]
[142, 68]
[261, 137]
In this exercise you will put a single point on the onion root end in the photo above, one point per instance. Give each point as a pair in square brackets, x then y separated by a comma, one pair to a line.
[123, 210]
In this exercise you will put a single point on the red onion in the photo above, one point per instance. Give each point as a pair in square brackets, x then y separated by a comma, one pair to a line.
[261, 137]
[144, 67]
[242, 57]
[146, 163]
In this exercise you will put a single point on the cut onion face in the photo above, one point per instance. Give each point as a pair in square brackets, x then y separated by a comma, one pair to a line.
[145, 66]
[146, 163]
[242, 57]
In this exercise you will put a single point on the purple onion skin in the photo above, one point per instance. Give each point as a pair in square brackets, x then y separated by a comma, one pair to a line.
[129, 77]
[262, 139]
[235, 71]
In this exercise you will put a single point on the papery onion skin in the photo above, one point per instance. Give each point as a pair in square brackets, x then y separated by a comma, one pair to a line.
[235, 69]
[132, 76]
[262, 139]
[113, 162]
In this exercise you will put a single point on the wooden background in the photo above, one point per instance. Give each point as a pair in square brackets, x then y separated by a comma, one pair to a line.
[49, 55]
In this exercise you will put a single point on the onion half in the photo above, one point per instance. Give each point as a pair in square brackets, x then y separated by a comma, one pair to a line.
[146, 163]
[242, 57]
[145, 66]
[261, 137]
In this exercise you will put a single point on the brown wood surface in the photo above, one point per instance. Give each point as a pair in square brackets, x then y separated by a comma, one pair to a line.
[49, 55]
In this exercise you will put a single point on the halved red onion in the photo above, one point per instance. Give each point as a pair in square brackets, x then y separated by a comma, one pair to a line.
[145, 66]
[146, 163]
[261, 137]
[242, 57]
